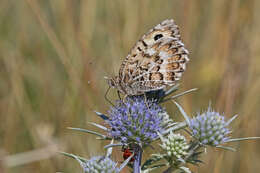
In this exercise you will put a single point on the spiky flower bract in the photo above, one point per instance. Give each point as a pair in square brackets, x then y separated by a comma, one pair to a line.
[100, 164]
[136, 120]
[210, 128]
[175, 146]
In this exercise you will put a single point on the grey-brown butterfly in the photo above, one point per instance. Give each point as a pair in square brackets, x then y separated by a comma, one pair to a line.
[156, 61]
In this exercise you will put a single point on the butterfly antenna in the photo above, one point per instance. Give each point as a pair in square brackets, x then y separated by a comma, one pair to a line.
[107, 97]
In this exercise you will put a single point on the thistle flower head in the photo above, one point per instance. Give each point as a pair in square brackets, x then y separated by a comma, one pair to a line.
[136, 120]
[175, 146]
[100, 164]
[210, 128]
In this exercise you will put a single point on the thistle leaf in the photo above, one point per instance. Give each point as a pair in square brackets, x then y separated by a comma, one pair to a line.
[126, 162]
[179, 95]
[152, 160]
[226, 148]
[243, 139]
[82, 159]
[113, 145]
[89, 131]
[187, 119]
[99, 126]
[103, 116]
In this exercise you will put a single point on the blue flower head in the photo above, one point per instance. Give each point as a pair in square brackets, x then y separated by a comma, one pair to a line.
[100, 164]
[210, 128]
[136, 120]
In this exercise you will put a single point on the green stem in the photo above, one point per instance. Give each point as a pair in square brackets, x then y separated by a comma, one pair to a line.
[138, 158]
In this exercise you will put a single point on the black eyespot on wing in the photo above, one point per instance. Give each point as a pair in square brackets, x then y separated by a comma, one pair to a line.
[157, 36]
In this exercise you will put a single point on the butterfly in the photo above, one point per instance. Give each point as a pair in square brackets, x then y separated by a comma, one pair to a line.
[156, 61]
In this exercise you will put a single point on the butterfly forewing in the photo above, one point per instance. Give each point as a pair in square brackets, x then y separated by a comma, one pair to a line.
[157, 60]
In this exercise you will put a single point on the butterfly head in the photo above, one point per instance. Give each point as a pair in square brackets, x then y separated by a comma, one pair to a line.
[115, 82]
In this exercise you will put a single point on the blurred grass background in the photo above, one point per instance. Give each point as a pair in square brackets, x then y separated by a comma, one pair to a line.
[54, 55]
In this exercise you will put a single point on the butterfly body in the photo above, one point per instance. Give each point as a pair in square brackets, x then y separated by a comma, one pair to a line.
[157, 60]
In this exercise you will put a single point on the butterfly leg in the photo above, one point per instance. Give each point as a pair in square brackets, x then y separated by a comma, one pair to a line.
[118, 94]
[106, 98]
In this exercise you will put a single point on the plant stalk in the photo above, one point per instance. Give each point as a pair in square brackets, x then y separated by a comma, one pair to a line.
[138, 159]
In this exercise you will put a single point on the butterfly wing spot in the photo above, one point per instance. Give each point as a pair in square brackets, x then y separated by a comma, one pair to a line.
[141, 78]
[157, 37]
[130, 70]
[145, 45]
[155, 58]
[143, 68]
[160, 61]
[174, 58]
[170, 76]
[156, 45]
[167, 48]
[172, 66]
[156, 76]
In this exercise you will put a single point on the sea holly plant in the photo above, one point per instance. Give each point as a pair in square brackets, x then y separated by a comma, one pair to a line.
[99, 163]
[140, 122]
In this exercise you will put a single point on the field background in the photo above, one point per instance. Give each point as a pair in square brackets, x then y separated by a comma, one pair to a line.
[54, 55]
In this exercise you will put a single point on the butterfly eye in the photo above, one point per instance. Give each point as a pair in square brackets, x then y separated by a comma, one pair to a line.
[157, 36]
